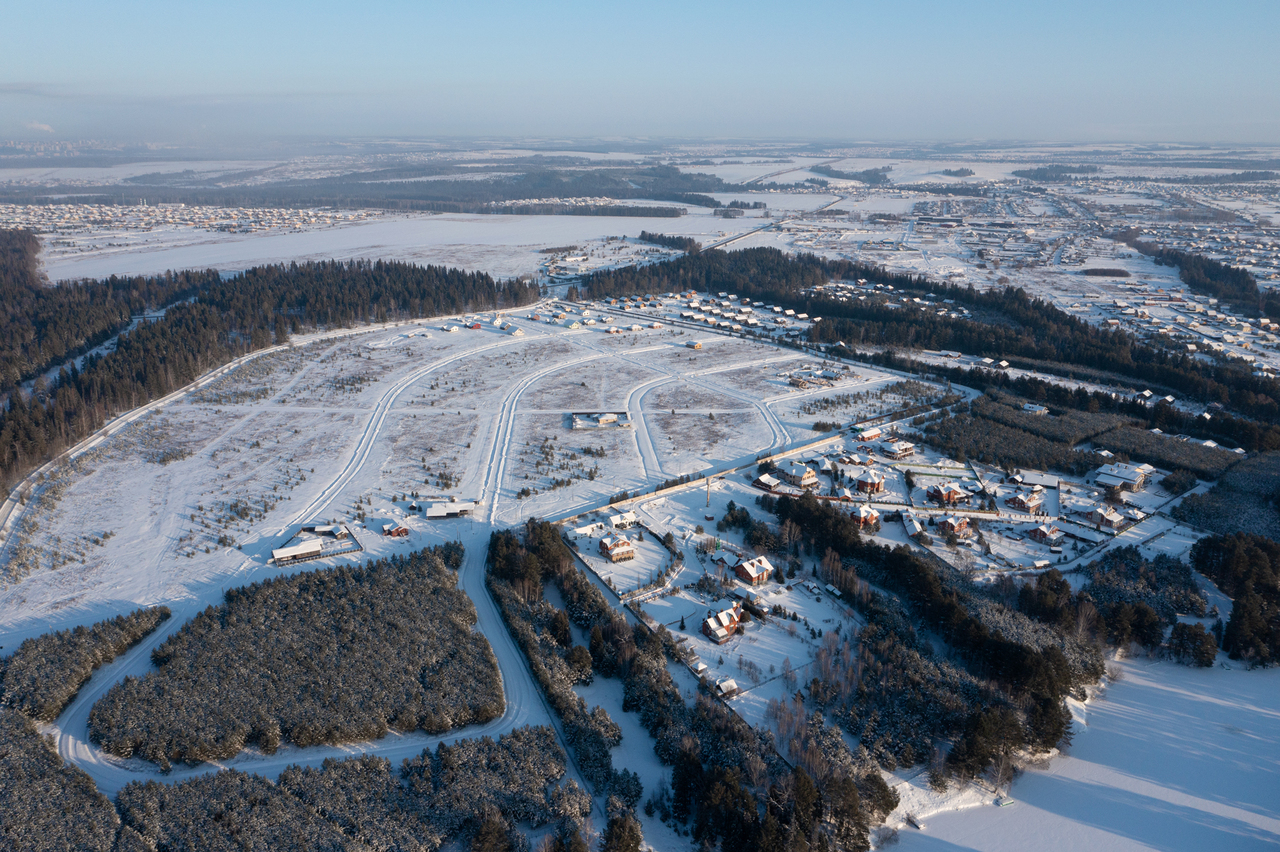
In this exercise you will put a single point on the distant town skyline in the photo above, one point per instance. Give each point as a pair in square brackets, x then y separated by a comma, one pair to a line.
[237, 72]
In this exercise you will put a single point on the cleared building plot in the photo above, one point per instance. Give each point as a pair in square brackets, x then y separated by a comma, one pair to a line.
[625, 559]
[694, 442]
[604, 384]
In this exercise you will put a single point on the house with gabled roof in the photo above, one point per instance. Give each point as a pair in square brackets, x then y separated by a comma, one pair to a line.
[797, 474]
[617, 548]
[719, 627]
[866, 516]
[947, 493]
[754, 572]
[869, 481]
[1047, 534]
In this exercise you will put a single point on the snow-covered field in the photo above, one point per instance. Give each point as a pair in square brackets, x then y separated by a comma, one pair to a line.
[1169, 758]
[196, 493]
[500, 245]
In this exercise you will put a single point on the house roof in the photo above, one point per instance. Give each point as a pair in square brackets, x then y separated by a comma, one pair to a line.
[760, 566]
[1124, 472]
[616, 542]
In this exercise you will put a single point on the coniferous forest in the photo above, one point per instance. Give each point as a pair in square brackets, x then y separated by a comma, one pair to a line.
[326, 656]
[45, 673]
[207, 321]
[44, 804]
[401, 616]
[1007, 322]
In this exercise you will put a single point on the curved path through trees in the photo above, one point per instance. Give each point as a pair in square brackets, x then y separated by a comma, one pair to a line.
[524, 701]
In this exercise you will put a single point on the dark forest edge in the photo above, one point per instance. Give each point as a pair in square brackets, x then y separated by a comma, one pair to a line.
[475, 792]
[43, 676]
[728, 783]
[213, 322]
[335, 655]
[452, 189]
[1008, 322]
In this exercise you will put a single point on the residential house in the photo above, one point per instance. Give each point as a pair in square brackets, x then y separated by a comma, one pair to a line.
[617, 548]
[911, 524]
[1105, 516]
[1030, 502]
[869, 481]
[1125, 477]
[898, 450]
[948, 493]
[719, 627]
[623, 521]
[799, 475]
[1047, 534]
[767, 482]
[754, 572]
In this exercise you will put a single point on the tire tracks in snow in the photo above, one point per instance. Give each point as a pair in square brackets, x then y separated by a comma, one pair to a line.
[520, 693]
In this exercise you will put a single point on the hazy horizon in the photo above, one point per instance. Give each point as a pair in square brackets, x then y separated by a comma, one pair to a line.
[239, 74]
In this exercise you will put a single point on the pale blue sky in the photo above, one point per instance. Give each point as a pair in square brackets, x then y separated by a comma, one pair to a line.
[238, 71]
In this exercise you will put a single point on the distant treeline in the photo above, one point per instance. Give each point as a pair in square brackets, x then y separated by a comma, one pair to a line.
[958, 173]
[1201, 180]
[1007, 323]
[966, 189]
[685, 244]
[1252, 435]
[1054, 173]
[587, 210]
[1236, 287]
[216, 321]
[451, 189]
[874, 177]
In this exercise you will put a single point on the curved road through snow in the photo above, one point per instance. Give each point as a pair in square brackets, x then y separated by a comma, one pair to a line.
[524, 701]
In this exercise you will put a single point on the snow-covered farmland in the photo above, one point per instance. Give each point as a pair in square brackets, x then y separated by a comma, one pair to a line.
[1169, 758]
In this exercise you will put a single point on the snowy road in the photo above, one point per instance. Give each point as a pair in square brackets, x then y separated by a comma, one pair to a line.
[524, 703]
[360, 461]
